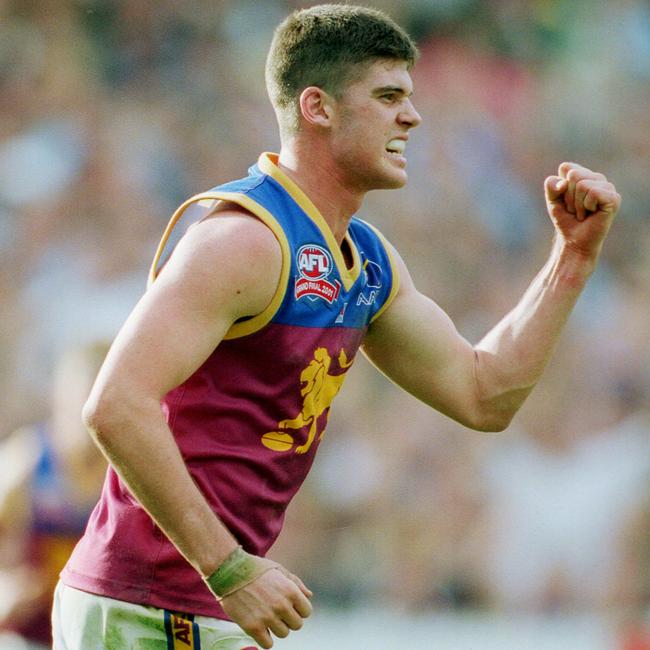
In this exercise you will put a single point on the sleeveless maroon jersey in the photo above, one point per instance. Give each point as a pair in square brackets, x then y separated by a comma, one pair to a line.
[248, 422]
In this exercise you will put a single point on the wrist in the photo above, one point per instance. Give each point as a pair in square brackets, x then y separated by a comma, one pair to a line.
[236, 571]
[574, 265]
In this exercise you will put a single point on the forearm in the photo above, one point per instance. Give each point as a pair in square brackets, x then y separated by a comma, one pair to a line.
[140, 446]
[510, 359]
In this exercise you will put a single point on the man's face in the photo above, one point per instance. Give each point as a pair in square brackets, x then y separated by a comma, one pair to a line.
[373, 118]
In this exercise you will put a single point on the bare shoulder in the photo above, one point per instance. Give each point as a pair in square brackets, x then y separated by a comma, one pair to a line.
[235, 229]
[229, 253]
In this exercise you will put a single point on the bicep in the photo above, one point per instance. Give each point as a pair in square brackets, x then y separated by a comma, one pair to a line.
[206, 286]
[415, 344]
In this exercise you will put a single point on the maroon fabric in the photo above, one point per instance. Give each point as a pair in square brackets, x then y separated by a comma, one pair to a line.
[219, 417]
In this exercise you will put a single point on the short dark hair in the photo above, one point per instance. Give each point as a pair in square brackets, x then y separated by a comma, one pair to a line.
[325, 46]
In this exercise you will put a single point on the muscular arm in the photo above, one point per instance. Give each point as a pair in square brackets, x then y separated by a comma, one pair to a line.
[482, 386]
[205, 287]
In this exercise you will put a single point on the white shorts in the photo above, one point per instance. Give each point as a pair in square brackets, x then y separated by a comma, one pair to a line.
[83, 621]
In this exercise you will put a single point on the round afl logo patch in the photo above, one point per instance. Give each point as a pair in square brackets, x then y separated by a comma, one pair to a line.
[314, 262]
[315, 265]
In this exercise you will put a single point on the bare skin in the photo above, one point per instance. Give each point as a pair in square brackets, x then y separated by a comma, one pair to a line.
[172, 330]
[345, 148]
[483, 386]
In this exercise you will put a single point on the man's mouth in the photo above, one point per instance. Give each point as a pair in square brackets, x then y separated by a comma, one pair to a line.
[396, 147]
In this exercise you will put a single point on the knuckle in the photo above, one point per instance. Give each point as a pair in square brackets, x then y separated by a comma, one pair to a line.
[277, 603]
[294, 591]
[256, 630]
[246, 622]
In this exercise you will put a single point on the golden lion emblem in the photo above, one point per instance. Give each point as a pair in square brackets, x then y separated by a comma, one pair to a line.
[318, 389]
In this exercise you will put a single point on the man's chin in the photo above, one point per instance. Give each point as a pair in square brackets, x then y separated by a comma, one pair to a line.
[394, 182]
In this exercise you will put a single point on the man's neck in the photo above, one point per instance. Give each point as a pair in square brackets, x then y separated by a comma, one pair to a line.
[336, 202]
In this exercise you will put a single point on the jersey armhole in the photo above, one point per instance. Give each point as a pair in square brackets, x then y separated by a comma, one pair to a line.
[257, 322]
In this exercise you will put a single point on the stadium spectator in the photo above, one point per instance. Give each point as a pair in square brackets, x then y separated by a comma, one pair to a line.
[50, 478]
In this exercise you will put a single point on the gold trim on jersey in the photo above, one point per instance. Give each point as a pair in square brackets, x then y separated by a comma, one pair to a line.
[268, 164]
[258, 321]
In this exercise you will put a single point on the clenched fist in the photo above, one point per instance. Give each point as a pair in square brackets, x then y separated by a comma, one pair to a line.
[582, 205]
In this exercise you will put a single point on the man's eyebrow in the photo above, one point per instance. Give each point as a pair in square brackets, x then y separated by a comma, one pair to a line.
[391, 89]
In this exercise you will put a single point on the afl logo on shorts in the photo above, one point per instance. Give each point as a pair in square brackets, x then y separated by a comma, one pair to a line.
[314, 267]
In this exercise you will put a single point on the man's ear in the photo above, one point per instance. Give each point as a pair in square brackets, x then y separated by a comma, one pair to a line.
[316, 106]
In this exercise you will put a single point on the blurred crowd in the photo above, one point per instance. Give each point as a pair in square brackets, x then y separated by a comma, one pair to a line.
[114, 111]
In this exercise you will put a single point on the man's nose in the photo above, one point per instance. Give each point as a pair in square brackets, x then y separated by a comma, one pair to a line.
[409, 116]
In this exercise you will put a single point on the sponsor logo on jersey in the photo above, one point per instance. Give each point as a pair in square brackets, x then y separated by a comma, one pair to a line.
[182, 632]
[372, 272]
[314, 267]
